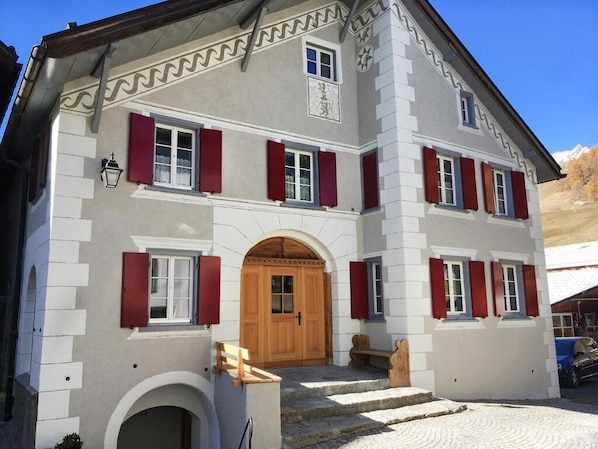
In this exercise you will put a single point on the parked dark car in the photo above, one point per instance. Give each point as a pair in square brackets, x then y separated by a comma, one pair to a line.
[577, 358]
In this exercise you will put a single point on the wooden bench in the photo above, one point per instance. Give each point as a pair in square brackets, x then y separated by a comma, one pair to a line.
[398, 360]
[235, 361]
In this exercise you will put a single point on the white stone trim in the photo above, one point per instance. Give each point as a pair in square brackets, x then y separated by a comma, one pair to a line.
[521, 257]
[506, 221]
[440, 251]
[462, 214]
[459, 325]
[276, 135]
[182, 333]
[144, 242]
[210, 430]
[516, 323]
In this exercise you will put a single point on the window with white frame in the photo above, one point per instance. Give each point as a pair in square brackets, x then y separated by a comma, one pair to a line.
[171, 286]
[174, 156]
[299, 175]
[375, 290]
[467, 109]
[501, 202]
[511, 288]
[454, 288]
[445, 168]
[320, 61]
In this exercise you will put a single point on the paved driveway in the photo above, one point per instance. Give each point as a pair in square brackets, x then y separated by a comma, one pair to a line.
[569, 423]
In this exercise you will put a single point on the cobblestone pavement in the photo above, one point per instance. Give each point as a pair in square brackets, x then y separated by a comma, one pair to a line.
[551, 424]
[558, 423]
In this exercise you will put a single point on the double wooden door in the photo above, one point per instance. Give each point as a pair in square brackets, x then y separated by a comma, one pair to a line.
[282, 313]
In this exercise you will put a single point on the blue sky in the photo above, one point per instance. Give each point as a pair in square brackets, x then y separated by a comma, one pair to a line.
[542, 54]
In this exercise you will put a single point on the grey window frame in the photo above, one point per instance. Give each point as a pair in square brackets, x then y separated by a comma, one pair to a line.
[373, 316]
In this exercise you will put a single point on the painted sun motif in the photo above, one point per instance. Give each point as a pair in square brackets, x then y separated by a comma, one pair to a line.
[365, 58]
[363, 36]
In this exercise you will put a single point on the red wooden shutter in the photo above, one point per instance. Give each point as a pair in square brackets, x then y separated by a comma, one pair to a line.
[498, 288]
[468, 184]
[43, 179]
[142, 131]
[358, 276]
[519, 195]
[210, 160]
[488, 184]
[135, 294]
[208, 290]
[531, 291]
[477, 282]
[431, 176]
[33, 167]
[437, 288]
[327, 176]
[276, 171]
[369, 165]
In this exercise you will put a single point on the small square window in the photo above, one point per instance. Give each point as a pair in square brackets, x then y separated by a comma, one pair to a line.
[320, 62]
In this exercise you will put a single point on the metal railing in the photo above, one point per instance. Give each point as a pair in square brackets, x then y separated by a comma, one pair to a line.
[249, 432]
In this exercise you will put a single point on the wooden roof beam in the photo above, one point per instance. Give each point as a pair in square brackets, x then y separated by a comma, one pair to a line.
[253, 38]
[348, 21]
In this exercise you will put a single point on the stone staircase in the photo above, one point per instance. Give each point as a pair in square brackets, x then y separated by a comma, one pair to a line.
[326, 410]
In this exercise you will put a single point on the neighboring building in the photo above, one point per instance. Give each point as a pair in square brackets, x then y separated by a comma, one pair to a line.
[283, 193]
[572, 272]
[9, 179]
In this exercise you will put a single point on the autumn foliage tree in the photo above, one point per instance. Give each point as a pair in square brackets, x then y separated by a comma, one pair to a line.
[582, 176]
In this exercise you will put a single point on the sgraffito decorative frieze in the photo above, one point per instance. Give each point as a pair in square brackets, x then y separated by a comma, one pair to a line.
[324, 99]
[378, 8]
[129, 85]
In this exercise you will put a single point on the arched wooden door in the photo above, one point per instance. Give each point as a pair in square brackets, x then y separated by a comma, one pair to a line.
[283, 305]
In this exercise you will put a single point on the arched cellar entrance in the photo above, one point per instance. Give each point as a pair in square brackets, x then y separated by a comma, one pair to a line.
[286, 305]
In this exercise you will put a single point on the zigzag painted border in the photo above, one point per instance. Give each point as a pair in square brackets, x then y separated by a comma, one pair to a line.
[378, 8]
[127, 86]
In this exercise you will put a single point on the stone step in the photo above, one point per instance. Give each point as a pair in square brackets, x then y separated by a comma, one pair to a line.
[312, 431]
[320, 389]
[310, 408]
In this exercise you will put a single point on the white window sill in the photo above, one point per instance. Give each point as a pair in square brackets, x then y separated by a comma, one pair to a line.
[170, 194]
[505, 221]
[516, 322]
[474, 129]
[448, 324]
[156, 332]
[447, 211]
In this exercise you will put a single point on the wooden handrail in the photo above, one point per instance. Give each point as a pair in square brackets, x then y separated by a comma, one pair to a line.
[235, 361]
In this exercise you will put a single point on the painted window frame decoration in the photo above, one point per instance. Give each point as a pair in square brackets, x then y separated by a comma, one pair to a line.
[206, 159]
[137, 290]
[463, 178]
[513, 203]
[324, 187]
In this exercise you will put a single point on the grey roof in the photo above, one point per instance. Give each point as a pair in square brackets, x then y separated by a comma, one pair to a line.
[563, 284]
[572, 256]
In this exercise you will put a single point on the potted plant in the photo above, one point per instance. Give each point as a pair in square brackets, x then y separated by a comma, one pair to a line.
[70, 441]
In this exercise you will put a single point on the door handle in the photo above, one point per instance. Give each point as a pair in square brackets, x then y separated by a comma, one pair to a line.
[298, 316]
